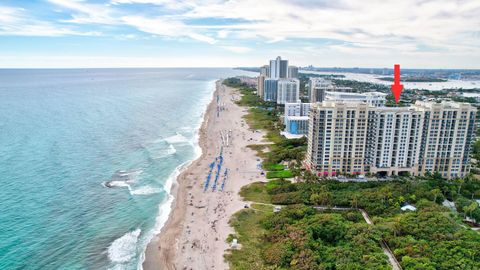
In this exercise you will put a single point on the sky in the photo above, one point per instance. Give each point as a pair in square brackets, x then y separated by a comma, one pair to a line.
[216, 33]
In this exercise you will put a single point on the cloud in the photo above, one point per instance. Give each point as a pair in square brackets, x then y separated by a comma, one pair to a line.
[390, 24]
[236, 49]
[165, 27]
[15, 22]
[223, 34]
[170, 4]
[87, 13]
[345, 28]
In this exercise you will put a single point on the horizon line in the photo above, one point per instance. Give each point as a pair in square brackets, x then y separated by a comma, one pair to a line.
[236, 67]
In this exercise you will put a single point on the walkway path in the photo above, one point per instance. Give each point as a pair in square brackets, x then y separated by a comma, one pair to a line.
[386, 249]
[391, 258]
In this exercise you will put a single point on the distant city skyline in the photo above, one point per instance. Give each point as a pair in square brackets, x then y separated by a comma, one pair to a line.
[211, 33]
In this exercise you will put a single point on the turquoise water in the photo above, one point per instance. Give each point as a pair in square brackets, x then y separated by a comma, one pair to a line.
[66, 134]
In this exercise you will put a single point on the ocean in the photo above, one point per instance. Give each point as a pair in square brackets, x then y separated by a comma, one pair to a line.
[87, 159]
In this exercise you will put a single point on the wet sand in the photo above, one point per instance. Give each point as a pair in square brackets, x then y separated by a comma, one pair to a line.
[194, 236]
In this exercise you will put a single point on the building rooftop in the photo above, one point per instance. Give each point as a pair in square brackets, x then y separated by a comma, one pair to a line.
[444, 104]
[356, 95]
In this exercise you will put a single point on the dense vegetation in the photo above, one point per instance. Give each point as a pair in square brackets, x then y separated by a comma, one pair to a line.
[362, 86]
[432, 237]
[300, 237]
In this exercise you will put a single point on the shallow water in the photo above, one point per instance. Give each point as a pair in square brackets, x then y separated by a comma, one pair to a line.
[66, 135]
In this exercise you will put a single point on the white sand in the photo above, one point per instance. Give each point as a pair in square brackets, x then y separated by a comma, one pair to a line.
[195, 234]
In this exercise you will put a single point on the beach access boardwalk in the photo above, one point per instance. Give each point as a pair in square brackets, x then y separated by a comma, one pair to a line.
[386, 249]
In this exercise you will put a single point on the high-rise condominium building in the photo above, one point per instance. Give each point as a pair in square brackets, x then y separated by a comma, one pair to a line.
[270, 90]
[317, 88]
[265, 71]
[292, 72]
[357, 138]
[449, 129]
[297, 109]
[288, 91]
[260, 86]
[278, 68]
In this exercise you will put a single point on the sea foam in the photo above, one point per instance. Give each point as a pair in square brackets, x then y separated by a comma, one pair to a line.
[146, 190]
[123, 249]
[165, 207]
[177, 139]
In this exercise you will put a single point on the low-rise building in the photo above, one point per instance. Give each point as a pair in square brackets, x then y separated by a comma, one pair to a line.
[296, 119]
[296, 126]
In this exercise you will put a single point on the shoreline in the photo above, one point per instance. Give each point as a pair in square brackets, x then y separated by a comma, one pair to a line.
[194, 235]
[152, 258]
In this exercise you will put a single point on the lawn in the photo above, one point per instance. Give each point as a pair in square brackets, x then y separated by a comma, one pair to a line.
[255, 192]
[279, 174]
[273, 167]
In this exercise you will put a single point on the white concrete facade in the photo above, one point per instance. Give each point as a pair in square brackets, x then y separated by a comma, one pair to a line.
[375, 99]
[288, 91]
[297, 109]
[292, 72]
[296, 125]
[278, 68]
[317, 88]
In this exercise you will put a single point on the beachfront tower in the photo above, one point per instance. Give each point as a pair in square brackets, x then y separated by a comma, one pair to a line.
[270, 90]
[288, 91]
[292, 72]
[278, 68]
[347, 137]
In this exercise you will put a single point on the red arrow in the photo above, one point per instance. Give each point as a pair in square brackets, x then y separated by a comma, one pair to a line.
[396, 86]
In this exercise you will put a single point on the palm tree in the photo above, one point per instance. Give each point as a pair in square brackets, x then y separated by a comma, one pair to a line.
[460, 182]
[469, 209]
[396, 226]
[326, 198]
[295, 169]
[435, 193]
[354, 201]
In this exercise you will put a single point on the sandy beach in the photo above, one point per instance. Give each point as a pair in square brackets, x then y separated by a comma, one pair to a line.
[194, 235]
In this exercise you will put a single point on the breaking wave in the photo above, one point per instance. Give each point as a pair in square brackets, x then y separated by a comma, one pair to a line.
[123, 249]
